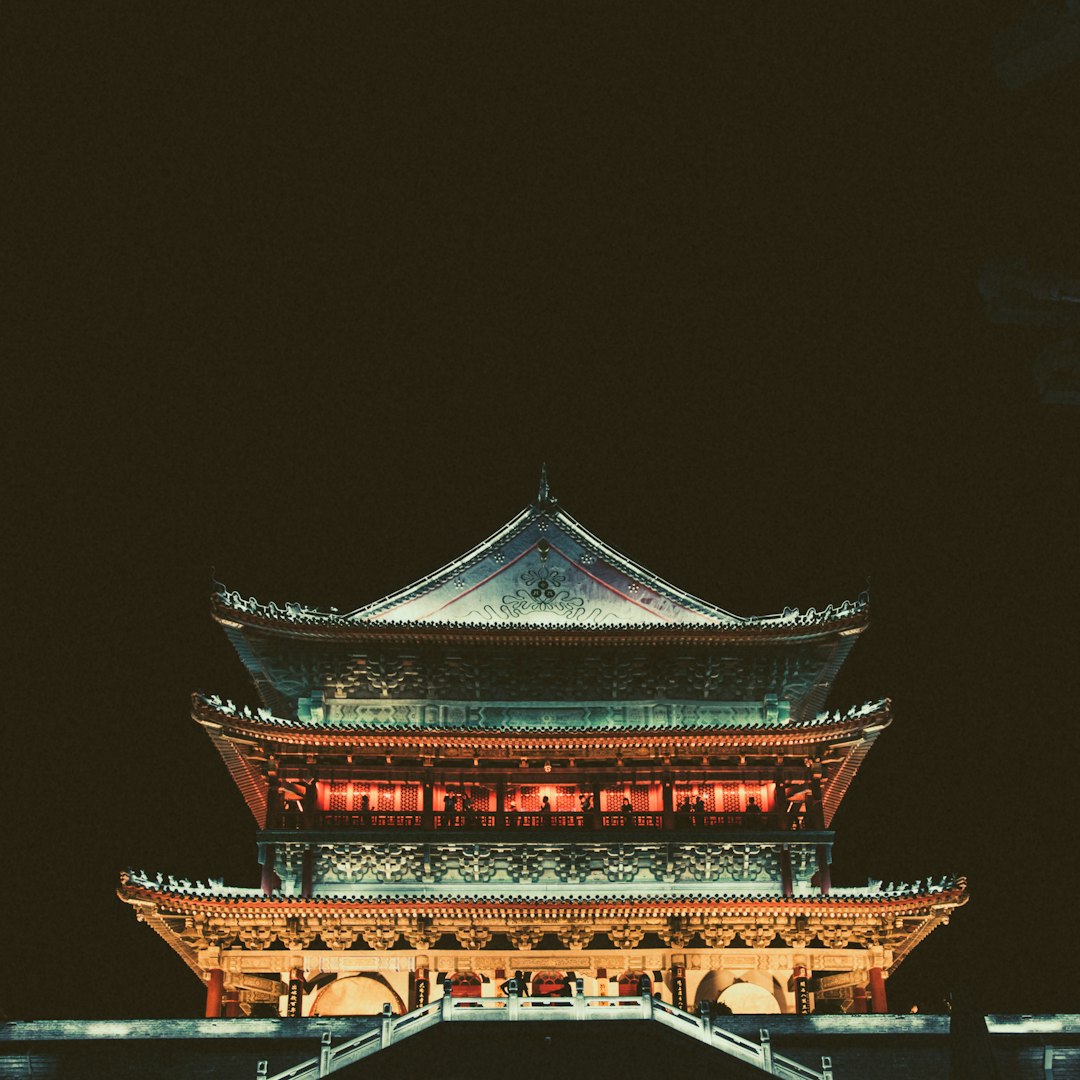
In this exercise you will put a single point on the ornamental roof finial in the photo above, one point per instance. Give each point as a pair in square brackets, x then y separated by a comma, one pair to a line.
[543, 495]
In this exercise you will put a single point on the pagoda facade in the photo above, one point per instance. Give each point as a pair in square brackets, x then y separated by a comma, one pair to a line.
[541, 762]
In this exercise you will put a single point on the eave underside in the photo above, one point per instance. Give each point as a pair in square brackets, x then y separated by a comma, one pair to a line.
[895, 924]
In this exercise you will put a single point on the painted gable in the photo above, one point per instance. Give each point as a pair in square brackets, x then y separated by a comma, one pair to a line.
[543, 568]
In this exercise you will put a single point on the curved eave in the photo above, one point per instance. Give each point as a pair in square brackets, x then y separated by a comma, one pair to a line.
[838, 780]
[147, 908]
[245, 772]
[747, 633]
[182, 902]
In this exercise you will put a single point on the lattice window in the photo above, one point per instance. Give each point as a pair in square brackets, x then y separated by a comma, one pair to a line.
[410, 797]
[528, 798]
[729, 795]
[611, 798]
[481, 797]
[643, 797]
[338, 795]
[386, 797]
[566, 799]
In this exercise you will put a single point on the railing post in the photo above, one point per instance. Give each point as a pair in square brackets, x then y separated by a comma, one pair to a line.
[386, 1029]
[579, 999]
[447, 1003]
[325, 1053]
[513, 1000]
[766, 1049]
[705, 1011]
[826, 1068]
[646, 1005]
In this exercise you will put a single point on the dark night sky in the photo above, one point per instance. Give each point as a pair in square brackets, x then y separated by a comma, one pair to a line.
[307, 293]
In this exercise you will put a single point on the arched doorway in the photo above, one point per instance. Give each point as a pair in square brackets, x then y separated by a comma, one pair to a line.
[357, 995]
[630, 983]
[550, 984]
[465, 984]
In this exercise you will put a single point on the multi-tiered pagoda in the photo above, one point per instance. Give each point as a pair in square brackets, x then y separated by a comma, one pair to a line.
[541, 762]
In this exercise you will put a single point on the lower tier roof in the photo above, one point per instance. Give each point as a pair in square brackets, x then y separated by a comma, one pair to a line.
[194, 917]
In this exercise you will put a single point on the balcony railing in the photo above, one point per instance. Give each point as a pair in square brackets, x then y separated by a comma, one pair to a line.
[525, 821]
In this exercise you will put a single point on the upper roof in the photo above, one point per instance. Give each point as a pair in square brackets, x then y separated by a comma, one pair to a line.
[541, 569]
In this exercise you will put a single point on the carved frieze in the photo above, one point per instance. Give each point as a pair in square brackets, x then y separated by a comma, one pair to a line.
[544, 714]
[454, 862]
[297, 668]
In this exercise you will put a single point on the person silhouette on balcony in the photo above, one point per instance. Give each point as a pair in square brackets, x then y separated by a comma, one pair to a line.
[753, 812]
[365, 808]
[699, 811]
[627, 812]
[545, 812]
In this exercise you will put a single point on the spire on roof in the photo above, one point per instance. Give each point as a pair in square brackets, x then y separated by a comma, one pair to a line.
[543, 495]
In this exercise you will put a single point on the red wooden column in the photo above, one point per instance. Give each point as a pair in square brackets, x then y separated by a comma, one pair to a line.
[878, 1000]
[214, 987]
[232, 1003]
[669, 805]
[859, 1000]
